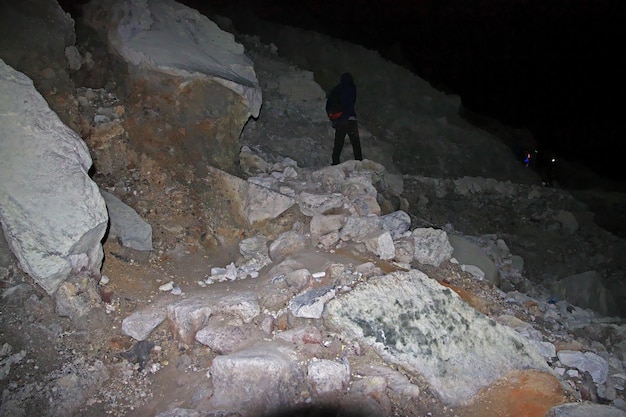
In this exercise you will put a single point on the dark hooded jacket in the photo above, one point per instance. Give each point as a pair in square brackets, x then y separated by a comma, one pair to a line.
[347, 94]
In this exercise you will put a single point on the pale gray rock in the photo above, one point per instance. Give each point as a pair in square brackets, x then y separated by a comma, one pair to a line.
[225, 338]
[358, 229]
[7, 359]
[187, 316]
[328, 240]
[405, 250]
[131, 230]
[585, 410]
[424, 327]
[586, 290]
[252, 202]
[473, 270]
[311, 303]
[172, 38]
[52, 213]
[431, 246]
[597, 366]
[546, 349]
[263, 203]
[141, 323]
[395, 380]
[298, 279]
[366, 205]
[323, 224]
[243, 305]
[287, 243]
[381, 245]
[301, 336]
[469, 253]
[254, 247]
[312, 204]
[257, 380]
[180, 412]
[328, 377]
[396, 223]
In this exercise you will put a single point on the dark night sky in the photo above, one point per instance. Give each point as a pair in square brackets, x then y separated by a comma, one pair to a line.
[556, 67]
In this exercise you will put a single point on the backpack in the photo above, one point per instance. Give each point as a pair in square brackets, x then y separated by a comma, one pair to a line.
[334, 108]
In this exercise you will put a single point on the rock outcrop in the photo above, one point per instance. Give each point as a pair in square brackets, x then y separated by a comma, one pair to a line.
[183, 71]
[52, 213]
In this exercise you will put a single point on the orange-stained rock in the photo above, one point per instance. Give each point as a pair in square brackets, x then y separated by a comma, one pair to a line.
[528, 393]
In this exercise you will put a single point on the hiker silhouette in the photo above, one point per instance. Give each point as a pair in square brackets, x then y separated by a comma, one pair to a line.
[340, 109]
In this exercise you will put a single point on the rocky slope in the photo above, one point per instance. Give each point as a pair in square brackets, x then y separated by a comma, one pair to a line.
[307, 312]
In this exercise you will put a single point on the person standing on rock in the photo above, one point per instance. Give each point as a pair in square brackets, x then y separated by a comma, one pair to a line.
[340, 109]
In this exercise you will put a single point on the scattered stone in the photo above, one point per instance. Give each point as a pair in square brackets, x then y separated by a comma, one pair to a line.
[141, 323]
[299, 279]
[471, 255]
[261, 379]
[7, 360]
[324, 224]
[302, 335]
[254, 247]
[311, 304]
[326, 377]
[396, 223]
[585, 410]
[312, 204]
[243, 305]
[381, 245]
[358, 229]
[187, 316]
[586, 290]
[586, 362]
[180, 412]
[126, 225]
[431, 246]
[287, 243]
[224, 338]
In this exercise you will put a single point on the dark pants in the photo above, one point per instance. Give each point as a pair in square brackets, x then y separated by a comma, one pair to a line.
[343, 128]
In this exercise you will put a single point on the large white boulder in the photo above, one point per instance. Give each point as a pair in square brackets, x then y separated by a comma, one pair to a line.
[194, 77]
[416, 323]
[52, 213]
